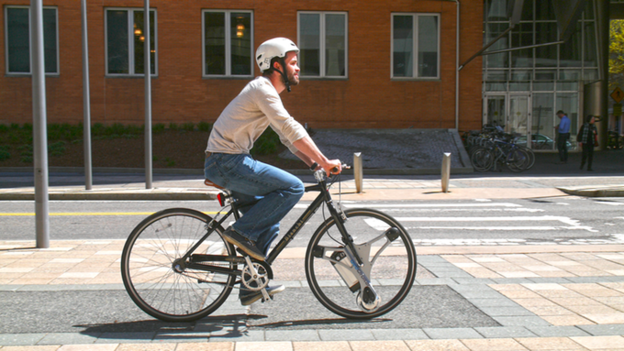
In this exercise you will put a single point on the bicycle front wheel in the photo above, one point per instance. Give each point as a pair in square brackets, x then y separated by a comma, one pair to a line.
[389, 261]
[155, 278]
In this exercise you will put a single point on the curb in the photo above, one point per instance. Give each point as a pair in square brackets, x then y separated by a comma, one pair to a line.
[127, 194]
[184, 171]
[595, 191]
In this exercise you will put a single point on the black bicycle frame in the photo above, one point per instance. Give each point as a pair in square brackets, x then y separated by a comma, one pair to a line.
[323, 197]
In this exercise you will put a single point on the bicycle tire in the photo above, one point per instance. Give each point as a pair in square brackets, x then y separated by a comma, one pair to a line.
[482, 159]
[148, 273]
[531, 155]
[517, 160]
[392, 274]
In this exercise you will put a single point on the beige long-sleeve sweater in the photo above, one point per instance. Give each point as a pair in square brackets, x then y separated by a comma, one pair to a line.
[247, 117]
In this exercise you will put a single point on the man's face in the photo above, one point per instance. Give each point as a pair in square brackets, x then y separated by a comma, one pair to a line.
[292, 68]
[560, 115]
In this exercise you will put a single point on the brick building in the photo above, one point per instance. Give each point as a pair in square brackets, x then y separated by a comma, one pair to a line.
[365, 64]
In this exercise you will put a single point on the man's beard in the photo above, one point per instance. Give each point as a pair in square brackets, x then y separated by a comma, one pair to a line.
[292, 80]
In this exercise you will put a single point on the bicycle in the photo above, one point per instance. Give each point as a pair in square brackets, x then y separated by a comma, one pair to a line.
[359, 263]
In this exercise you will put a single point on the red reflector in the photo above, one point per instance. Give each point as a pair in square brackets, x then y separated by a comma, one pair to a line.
[221, 199]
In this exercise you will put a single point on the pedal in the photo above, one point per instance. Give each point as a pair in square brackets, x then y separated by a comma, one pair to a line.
[265, 295]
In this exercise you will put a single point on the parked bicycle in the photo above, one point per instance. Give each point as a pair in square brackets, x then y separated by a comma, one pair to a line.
[492, 147]
[359, 263]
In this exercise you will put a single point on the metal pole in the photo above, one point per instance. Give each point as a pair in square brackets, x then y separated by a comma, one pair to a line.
[40, 142]
[148, 97]
[86, 99]
[446, 171]
[457, 67]
[358, 172]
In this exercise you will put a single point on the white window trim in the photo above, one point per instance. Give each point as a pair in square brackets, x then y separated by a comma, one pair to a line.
[415, 62]
[130, 11]
[6, 41]
[322, 38]
[228, 45]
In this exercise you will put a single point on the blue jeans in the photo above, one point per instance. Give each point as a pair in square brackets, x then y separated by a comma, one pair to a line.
[277, 191]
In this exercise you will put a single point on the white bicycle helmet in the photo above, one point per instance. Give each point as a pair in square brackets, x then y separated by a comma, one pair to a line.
[276, 47]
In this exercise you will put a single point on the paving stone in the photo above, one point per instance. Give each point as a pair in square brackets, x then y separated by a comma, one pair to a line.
[549, 344]
[264, 346]
[473, 281]
[502, 302]
[387, 345]
[505, 332]
[506, 311]
[345, 335]
[435, 281]
[524, 321]
[552, 280]
[505, 344]
[322, 346]
[600, 342]
[167, 347]
[20, 339]
[399, 334]
[604, 329]
[238, 336]
[557, 331]
[90, 347]
[452, 333]
[119, 338]
[436, 345]
[69, 338]
[213, 346]
[291, 335]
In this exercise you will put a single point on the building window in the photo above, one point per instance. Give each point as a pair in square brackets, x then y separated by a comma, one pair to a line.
[323, 44]
[415, 45]
[125, 42]
[227, 43]
[17, 39]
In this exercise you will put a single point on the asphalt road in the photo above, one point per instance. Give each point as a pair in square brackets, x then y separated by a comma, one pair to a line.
[559, 220]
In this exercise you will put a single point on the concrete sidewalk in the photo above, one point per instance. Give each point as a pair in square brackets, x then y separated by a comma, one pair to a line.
[396, 188]
[541, 298]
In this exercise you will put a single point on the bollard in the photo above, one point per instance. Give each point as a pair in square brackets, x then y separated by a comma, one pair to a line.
[446, 171]
[358, 172]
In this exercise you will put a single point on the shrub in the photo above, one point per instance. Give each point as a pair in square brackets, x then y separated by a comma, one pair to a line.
[190, 126]
[204, 126]
[158, 128]
[266, 144]
[173, 126]
[4, 152]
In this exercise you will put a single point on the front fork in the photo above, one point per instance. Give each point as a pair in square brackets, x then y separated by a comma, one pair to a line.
[358, 256]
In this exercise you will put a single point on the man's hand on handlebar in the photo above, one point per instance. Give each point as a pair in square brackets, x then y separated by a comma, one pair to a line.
[331, 167]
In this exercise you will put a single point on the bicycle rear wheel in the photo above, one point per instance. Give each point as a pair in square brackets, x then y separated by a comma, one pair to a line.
[389, 256]
[482, 159]
[155, 281]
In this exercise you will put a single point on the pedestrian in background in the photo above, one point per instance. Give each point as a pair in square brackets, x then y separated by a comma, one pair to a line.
[588, 138]
[563, 128]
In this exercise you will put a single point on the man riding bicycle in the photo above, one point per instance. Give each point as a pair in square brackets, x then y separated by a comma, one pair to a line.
[229, 164]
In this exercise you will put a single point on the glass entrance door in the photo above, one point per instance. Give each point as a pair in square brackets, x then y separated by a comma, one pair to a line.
[519, 116]
[512, 112]
[495, 110]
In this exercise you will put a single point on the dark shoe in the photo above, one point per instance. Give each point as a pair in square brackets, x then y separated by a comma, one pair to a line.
[582, 166]
[247, 297]
[246, 245]
[589, 169]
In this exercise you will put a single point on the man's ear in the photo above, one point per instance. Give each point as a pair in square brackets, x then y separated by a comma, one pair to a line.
[277, 65]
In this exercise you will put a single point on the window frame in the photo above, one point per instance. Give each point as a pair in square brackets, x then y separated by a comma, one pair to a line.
[322, 40]
[415, 46]
[131, 46]
[228, 44]
[6, 41]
